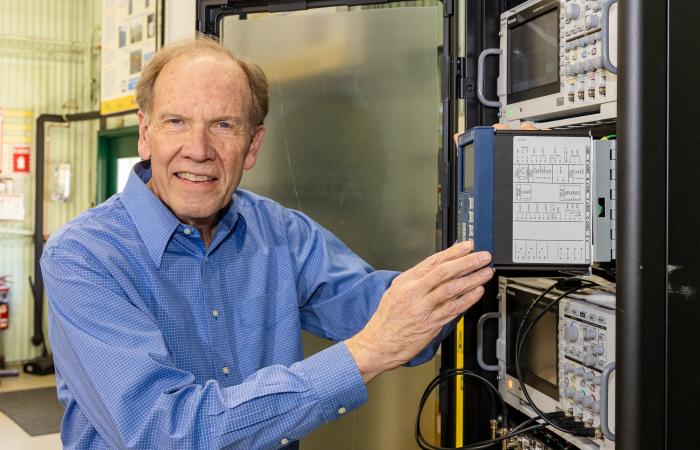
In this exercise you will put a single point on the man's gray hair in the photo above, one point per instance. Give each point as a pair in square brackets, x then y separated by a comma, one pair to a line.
[203, 43]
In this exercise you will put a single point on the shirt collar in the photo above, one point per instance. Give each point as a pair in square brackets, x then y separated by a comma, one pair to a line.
[154, 222]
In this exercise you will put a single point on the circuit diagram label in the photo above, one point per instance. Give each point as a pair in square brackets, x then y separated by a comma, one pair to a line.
[552, 209]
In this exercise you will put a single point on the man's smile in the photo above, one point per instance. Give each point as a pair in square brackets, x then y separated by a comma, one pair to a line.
[194, 177]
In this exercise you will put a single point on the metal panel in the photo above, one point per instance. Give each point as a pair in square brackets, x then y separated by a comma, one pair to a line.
[642, 228]
[353, 130]
[352, 140]
[47, 65]
[683, 344]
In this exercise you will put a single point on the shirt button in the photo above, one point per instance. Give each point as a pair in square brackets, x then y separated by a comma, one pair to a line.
[187, 231]
[215, 312]
[225, 370]
[284, 441]
[342, 410]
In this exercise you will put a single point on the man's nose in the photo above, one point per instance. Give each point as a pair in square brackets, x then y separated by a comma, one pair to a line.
[199, 145]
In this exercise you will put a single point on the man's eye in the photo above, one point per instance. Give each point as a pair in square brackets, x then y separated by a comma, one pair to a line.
[174, 121]
[223, 125]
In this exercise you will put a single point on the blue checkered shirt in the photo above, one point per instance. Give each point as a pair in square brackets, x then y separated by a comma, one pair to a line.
[162, 343]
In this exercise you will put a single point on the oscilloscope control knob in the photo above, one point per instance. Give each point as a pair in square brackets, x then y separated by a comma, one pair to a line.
[571, 333]
[589, 335]
[590, 359]
[592, 21]
[589, 376]
[588, 401]
[580, 395]
[579, 371]
[570, 393]
[572, 11]
[598, 349]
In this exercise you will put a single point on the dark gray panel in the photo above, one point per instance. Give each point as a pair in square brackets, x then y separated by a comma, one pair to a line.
[503, 198]
[642, 230]
[683, 224]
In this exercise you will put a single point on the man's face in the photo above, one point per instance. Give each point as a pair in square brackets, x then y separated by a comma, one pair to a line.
[198, 135]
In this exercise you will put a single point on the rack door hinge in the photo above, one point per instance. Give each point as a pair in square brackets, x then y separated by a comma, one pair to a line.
[466, 87]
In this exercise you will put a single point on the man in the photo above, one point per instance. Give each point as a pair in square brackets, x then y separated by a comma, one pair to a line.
[176, 307]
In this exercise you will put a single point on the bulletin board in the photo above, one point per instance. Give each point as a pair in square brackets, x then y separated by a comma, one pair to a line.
[129, 30]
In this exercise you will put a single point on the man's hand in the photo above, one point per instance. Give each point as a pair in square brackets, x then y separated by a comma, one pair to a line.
[417, 305]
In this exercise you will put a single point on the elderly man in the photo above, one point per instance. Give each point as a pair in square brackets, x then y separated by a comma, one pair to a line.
[176, 307]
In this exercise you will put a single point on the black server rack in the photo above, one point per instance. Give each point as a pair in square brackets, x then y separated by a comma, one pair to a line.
[658, 269]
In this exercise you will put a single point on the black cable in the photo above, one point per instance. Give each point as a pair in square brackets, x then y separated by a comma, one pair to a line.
[556, 415]
[422, 442]
[550, 418]
[425, 445]
[520, 339]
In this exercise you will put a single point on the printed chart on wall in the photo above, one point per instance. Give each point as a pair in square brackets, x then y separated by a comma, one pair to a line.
[552, 199]
[128, 42]
[16, 131]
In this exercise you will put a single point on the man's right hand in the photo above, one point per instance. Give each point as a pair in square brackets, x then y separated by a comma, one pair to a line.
[417, 305]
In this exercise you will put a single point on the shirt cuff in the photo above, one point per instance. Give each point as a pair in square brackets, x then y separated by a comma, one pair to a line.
[336, 380]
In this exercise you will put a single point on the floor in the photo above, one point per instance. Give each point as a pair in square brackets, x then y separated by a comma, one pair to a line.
[12, 436]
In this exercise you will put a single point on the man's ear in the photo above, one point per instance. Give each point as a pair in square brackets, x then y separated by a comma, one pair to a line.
[144, 150]
[254, 148]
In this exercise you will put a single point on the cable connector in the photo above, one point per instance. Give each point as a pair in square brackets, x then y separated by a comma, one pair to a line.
[569, 283]
[555, 415]
[569, 422]
[587, 432]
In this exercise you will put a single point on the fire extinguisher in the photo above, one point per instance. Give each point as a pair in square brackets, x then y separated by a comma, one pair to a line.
[4, 304]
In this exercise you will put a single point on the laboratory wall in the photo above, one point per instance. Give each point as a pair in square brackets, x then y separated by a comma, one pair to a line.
[49, 64]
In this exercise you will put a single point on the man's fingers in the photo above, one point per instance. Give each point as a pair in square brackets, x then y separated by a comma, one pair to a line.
[450, 270]
[449, 310]
[458, 250]
[458, 286]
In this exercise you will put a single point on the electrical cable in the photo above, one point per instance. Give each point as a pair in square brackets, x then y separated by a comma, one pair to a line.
[422, 442]
[556, 415]
[520, 429]
[520, 339]
[550, 419]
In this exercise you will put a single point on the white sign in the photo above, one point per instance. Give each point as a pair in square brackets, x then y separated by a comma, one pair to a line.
[11, 207]
[552, 200]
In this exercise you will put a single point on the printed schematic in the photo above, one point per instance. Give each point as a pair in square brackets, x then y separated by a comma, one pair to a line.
[552, 209]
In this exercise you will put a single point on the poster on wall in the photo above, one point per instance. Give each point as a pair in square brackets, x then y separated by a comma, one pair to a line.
[16, 136]
[11, 207]
[128, 42]
[1, 145]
